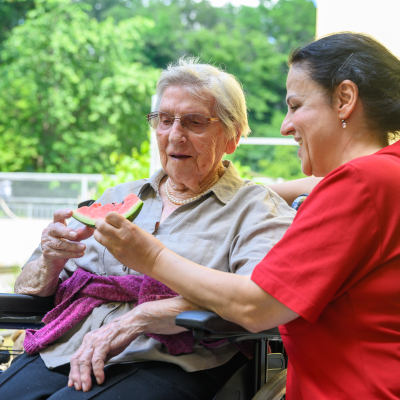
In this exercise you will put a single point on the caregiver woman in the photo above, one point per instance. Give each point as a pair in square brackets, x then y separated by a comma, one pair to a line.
[332, 282]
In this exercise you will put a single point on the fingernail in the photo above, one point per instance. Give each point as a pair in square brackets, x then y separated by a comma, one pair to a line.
[76, 386]
[81, 246]
[73, 234]
[69, 383]
[84, 387]
[98, 381]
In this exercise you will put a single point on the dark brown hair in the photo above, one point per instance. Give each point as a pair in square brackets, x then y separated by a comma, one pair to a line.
[366, 62]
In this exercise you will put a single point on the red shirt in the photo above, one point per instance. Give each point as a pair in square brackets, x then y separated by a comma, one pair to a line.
[338, 267]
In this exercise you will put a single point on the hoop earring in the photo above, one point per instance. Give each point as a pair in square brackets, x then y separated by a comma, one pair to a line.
[344, 124]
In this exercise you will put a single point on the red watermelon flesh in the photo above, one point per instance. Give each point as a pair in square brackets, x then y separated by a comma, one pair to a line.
[129, 208]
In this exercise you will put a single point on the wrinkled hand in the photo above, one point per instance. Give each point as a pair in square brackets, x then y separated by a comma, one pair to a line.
[60, 243]
[101, 345]
[132, 246]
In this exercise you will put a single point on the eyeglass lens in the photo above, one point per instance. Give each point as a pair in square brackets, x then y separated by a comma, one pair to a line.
[193, 122]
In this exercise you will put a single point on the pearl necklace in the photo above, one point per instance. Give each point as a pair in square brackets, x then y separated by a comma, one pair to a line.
[176, 201]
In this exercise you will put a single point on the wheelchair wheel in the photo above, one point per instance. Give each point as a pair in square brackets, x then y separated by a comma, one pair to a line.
[274, 389]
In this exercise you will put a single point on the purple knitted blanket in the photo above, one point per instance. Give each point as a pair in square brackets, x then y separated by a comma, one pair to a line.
[79, 295]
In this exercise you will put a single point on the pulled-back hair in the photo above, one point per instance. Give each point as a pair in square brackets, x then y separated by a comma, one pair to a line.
[205, 80]
[372, 67]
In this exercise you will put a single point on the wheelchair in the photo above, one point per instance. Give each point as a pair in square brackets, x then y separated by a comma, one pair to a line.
[262, 378]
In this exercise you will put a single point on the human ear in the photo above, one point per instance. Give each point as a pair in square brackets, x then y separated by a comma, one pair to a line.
[347, 96]
[232, 144]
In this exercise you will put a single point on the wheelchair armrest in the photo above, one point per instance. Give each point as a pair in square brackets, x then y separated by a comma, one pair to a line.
[208, 325]
[19, 311]
[22, 304]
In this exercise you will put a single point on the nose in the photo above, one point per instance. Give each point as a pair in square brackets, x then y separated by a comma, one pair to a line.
[287, 126]
[177, 134]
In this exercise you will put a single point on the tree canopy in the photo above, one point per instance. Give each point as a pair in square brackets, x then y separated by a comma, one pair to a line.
[76, 77]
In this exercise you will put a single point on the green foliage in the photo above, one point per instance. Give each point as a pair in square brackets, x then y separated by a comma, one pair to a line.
[73, 90]
[127, 168]
[12, 13]
[270, 161]
[244, 171]
[76, 76]
[284, 163]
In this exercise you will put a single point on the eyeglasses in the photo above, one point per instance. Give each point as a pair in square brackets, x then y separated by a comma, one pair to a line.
[193, 122]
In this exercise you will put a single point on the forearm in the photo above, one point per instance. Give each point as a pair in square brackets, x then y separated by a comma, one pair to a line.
[37, 279]
[292, 189]
[233, 297]
[159, 316]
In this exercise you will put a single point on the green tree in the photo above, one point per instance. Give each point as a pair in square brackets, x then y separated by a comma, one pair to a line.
[76, 84]
[127, 168]
[283, 163]
[73, 90]
[12, 13]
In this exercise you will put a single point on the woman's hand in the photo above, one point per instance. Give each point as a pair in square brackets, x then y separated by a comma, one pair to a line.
[132, 246]
[59, 244]
[101, 345]
[110, 340]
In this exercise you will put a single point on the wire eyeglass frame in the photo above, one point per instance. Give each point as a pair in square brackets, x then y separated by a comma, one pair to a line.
[185, 120]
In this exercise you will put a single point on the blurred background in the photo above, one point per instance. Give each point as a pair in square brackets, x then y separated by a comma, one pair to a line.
[77, 79]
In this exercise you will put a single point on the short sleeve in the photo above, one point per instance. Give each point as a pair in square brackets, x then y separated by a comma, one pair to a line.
[333, 242]
[251, 245]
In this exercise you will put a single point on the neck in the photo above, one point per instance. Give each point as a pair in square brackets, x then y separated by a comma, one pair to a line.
[182, 192]
[356, 148]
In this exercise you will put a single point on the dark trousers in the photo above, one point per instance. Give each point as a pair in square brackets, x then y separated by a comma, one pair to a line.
[28, 378]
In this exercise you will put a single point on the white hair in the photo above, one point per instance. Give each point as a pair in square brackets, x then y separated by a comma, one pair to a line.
[204, 80]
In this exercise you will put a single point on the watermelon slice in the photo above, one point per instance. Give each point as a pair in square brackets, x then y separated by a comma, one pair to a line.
[129, 208]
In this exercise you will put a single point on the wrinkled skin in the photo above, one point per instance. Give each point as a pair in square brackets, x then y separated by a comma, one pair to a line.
[59, 244]
[101, 345]
[191, 160]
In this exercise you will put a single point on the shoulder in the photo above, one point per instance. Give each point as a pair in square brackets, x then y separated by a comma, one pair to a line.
[381, 169]
[383, 166]
[257, 197]
[359, 185]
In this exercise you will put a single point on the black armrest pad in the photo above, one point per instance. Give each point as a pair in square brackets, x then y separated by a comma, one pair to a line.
[21, 304]
[213, 323]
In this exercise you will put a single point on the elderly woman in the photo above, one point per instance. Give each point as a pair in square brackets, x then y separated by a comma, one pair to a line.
[197, 206]
[332, 282]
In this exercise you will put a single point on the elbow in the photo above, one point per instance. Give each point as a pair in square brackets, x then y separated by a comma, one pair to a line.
[24, 288]
[253, 325]
[252, 319]
[18, 288]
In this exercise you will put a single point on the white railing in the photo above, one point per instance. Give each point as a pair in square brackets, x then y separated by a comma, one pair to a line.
[38, 195]
[84, 179]
[269, 141]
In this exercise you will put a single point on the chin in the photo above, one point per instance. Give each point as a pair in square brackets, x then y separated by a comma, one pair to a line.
[306, 170]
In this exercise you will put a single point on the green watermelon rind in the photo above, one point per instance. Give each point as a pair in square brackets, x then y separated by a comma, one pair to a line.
[131, 214]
